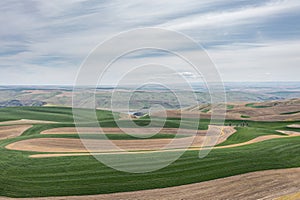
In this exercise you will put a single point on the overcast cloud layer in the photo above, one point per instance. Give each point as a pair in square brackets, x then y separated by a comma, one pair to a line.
[44, 42]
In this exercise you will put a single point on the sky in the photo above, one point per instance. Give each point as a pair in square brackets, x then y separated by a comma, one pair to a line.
[45, 42]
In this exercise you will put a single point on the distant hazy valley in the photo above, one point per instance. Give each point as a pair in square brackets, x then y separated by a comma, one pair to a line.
[14, 96]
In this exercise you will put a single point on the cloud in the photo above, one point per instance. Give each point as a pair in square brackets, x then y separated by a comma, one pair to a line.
[243, 15]
[50, 37]
[271, 61]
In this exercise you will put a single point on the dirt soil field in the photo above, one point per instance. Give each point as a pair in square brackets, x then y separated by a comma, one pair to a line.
[12, 131]
[264, 185]
[91, 130]
[255, 114]
[283, 110]
[295, 196]
[294, 126]
[195, 146]
[75, 145]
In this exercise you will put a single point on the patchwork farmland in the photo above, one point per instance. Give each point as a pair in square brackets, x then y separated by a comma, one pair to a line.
[42, 156]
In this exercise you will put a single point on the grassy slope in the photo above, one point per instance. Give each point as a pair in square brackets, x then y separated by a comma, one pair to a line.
[245, 134]
[230, 107]
[257, 129]
[56, 114]
[27, 177]
[252, 105]
[23, 176]
[245, 116]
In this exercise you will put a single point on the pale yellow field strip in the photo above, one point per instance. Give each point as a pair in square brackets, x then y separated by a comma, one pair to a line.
[294, 126]
[12, 131]
[26, 121]
[91, 130]
[258, 139]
